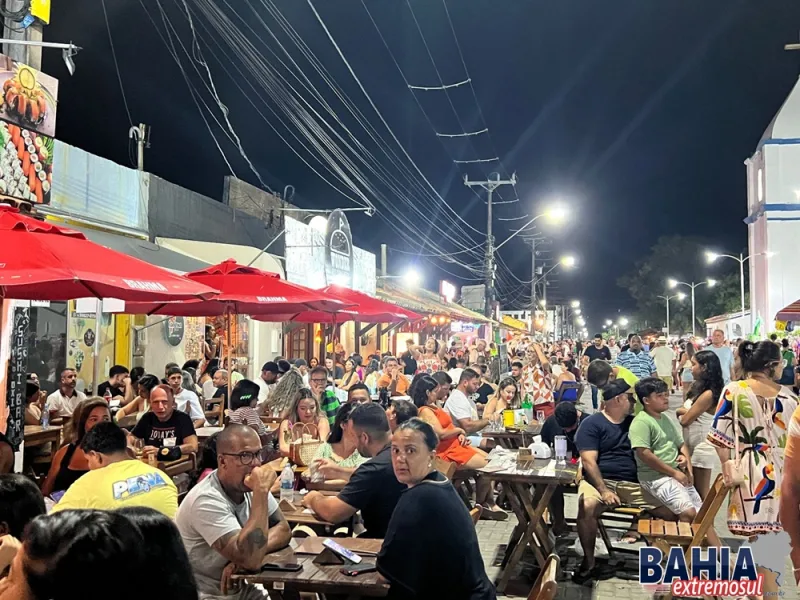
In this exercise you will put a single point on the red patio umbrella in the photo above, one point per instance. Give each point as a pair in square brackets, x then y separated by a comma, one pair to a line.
[43, 261]
[248, 291]
[363, 308]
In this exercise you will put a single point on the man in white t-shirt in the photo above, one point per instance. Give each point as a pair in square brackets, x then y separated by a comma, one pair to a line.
[463, 409]
[66, 398]
[231, 516]
[664, 358]
[185, 401]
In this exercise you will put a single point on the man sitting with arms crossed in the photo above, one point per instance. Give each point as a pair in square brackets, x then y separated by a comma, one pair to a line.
[231, 517]
[664, 464]
[117, 480]
[609, 473]
[393, 378]
[373, 488]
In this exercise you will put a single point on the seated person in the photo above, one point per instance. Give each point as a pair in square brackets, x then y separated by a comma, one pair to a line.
[33, 402]
[141, 403]
[338, 458]
[486, 389]
[213, 405]
[20, 502]
[600, 372]
[303, 409]
[609, 473]
[185, 400]
[430, 550]
[454, 445]
[358, 394]
[230, 516]
[567, 375]
[117, 480]
[400, 411]
[373, 489]
[70, 463]
[115, 384]
[63, 402]
[506, 397]
[664, 465]
[462, 408]
[243, 399]
[564, 421]
[350, 377]
[393, 378]
[164, 426]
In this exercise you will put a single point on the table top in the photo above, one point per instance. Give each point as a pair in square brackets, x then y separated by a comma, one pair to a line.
[300, 515]
[321, 579]
[530, 430]
[36, 435]
[531, 471]
[206, 432]
[278, 465]
[38, 429]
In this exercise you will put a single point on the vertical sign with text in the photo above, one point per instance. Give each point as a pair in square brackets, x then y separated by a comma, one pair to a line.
[17, 375]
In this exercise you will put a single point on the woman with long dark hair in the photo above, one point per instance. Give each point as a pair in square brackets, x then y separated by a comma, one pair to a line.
[338, 458]
[697, 415]
[685, 362]
[760, 432]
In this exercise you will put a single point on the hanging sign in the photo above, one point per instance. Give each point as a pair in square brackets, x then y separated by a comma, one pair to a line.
[174, 328]
[339, 250]
[18, 368]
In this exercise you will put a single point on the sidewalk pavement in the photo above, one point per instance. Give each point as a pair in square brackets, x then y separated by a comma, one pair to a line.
[494, 535]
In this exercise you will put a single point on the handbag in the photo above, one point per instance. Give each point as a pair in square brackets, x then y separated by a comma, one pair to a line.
[733, 470]
[301, 448]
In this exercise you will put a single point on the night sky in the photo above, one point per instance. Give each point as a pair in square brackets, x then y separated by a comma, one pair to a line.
[637, 115]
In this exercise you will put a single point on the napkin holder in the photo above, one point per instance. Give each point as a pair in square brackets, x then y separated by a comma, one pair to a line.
[287, 506]
[329, 557]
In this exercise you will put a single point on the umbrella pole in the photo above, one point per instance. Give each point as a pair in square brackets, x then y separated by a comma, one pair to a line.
[96, 350]
[230, 369]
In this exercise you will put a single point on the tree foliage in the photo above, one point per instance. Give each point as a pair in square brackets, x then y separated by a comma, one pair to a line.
[681, 258]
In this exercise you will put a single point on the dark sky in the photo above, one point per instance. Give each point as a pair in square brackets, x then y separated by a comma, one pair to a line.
[638, 115]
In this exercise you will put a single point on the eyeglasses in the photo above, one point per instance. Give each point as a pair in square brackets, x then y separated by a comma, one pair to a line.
[247, 456]
[319, 380]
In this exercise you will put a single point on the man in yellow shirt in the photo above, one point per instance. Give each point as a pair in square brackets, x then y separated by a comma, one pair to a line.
[116, 480]
[601, 372]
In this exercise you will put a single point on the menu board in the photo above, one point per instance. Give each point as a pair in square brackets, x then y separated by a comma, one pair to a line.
[17, 373]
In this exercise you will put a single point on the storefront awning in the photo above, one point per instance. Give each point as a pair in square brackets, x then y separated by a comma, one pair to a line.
[789, 313]
[142, 249]
[426, 302]
[515, 324]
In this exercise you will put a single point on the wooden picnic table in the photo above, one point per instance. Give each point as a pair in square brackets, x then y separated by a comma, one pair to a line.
[185, 464]
[531, 530]
[203, 433]
[300, 516]
[513, 439]
[36, 435]
[316, 578]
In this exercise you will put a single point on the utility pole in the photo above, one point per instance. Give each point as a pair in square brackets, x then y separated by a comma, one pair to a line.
[533, 285]
[141, 135]
[490, 186]
[12, 30]
[383, 260]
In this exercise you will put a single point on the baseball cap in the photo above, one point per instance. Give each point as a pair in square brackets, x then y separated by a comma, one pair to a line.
[284, 366]
[615, 388]
[271, 367]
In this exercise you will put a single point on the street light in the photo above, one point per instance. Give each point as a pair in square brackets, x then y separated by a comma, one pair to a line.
[411, 278]
[575, 304]
[577, 311]
[609, 322]
[673, 283]
[713, 256]
[567, 261]
[623, 322]
[680, 296]
[555, 214]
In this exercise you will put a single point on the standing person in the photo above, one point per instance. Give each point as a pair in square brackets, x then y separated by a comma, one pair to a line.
[70, 463]
[479, 350]
[724, 354]
[429, 357]
[269, 379]
[212, 348]
[373, 488]
[410, 363]
[787, 353]
[536, 380]
[697, 414]
[65, 399]
[613, 347]
[430, 550]
[663, 462]
[685, 367]
[636, 360]
[186, 401]
[765, 407]
[516, 370]
[597, 351]
[302, 366]
[664, 359]
[231, 516]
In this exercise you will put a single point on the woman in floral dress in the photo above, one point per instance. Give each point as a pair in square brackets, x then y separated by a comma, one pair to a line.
[536, 381]
[765, 410]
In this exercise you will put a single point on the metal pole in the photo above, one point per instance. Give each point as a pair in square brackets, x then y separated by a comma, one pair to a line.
[533, 286]
[667, 316]
[741, 281]
[140, 141]
[693, 320]
[489, 256]
[384, 248]
[98, 315]
[544, 298]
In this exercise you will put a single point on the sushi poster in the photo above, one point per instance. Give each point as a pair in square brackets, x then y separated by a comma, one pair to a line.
[26, 164]
[29, 97]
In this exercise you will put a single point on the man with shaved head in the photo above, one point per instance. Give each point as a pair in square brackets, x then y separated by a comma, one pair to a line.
[231, 517]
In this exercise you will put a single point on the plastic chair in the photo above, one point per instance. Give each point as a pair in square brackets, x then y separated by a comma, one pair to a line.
[568, 392]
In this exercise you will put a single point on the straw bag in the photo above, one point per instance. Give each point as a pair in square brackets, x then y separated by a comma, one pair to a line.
[304, 444]
[733, 471]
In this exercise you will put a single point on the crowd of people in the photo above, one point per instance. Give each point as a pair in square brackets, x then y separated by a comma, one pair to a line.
[381, 438]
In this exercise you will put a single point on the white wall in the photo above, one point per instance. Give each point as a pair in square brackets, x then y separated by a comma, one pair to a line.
[157, 352]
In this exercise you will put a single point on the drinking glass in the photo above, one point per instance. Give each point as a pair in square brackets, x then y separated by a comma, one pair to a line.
[561, 448]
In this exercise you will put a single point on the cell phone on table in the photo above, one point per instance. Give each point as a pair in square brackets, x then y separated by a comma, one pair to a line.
[342, 551]
[353, 570]
[290, 567]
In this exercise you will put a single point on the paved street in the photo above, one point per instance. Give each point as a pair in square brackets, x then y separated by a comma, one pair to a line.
[493, 536]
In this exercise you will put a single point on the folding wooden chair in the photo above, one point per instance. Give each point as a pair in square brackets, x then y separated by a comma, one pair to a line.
[445, 467]
[666, 534]
[475, 513]
[546, 586]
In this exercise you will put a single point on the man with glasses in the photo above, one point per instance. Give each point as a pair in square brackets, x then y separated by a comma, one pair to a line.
[325, 396]
[231, 517]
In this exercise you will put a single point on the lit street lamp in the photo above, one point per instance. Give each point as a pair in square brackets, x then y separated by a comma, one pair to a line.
[411, 278]
[556, 214]
[713, 256]
[680, 296]
[568, 261]
[575, 304]
[673, 283]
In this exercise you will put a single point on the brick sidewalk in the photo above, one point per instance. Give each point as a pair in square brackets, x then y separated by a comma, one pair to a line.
[494, 535]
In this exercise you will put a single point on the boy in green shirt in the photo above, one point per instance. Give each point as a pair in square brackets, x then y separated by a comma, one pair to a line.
[662, 459]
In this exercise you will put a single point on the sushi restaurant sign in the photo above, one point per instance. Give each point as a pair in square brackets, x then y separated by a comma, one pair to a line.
[27, 126]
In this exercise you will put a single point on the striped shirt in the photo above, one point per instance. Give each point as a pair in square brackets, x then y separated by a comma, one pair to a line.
[640, 364]
[248, 416]
[329, 403]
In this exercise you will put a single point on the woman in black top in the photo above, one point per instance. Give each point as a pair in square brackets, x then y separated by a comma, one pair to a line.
[430, 549]
[69, 463]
